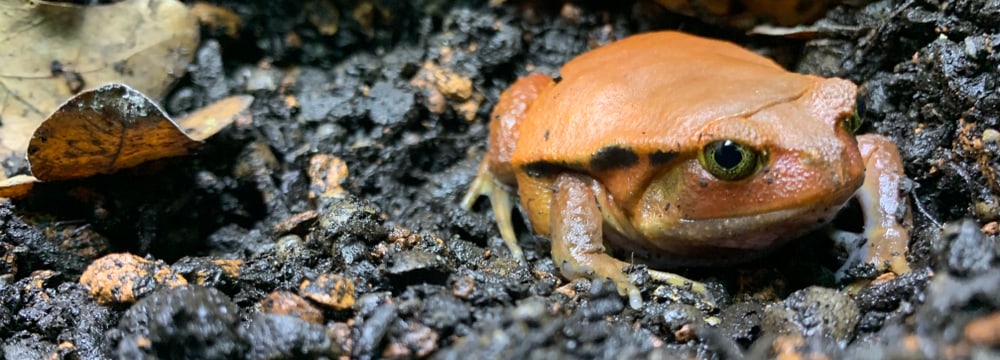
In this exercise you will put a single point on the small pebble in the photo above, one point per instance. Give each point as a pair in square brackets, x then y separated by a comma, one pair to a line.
[286, 303]
[329, 290]
[813, 311]
[124, 278]
[984, 330]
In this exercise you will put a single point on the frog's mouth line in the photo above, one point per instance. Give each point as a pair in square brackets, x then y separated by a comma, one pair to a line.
[720, 241]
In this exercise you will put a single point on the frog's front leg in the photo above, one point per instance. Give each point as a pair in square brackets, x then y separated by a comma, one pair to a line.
[578, 243]
[886, 213]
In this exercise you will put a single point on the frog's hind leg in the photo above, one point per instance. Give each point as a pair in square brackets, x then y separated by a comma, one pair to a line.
[486, 183]
[496, 174]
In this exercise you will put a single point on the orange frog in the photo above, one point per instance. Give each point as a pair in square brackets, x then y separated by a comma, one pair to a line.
[684, 151]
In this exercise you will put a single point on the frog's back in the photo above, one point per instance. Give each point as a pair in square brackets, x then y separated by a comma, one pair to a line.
[646, 95]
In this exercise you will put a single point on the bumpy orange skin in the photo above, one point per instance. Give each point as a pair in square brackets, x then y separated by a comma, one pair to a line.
[625, 125]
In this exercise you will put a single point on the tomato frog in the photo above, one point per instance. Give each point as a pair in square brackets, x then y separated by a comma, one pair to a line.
[683, 151]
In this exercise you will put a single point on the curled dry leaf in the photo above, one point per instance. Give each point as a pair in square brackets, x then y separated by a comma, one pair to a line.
[115, 127]
[52, 50]
[111, 128]
[101, 131]
[17, 186]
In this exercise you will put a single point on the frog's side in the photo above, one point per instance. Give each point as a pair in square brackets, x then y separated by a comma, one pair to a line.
[618, 152]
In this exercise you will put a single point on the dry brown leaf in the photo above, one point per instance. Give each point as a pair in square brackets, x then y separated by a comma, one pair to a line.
[101, 131]
[17, 187]
[218, 17]
[116, 127]
[208, 120]
[52, 50]
[111, 128]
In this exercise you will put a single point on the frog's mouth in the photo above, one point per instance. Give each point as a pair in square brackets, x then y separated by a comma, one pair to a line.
[718, 241]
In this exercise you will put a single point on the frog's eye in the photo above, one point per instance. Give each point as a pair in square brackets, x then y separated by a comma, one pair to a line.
[852, 122]
[730, 160]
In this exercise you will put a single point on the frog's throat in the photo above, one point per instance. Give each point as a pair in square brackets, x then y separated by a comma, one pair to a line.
[719, 241]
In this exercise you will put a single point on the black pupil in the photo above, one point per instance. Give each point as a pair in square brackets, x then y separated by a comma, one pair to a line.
[859, 106]
[728, 155]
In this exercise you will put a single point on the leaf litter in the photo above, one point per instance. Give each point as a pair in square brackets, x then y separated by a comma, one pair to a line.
[54, 50]
[115, 127]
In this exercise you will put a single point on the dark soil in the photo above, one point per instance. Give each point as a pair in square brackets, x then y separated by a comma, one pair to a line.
[432, 280]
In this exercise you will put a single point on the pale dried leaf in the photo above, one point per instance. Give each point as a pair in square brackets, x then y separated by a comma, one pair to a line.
[208, 120]
[144, 43]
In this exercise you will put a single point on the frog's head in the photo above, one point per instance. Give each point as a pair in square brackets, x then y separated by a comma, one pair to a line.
[750, 181]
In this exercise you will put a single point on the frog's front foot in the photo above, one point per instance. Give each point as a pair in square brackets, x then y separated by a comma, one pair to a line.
[887, 215]
[889, 252]
[601, 265]
[577, 240]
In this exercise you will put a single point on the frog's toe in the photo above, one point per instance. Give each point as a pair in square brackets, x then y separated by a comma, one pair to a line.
[502, 209]
[634, 296]
[678, 281]
[481, 185]
[629, 291]
[882, 247]
[887, 248]
[602, 266]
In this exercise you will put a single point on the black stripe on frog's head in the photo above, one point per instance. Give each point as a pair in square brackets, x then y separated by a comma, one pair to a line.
[660, 157]
[613, 157]
[543, 168]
